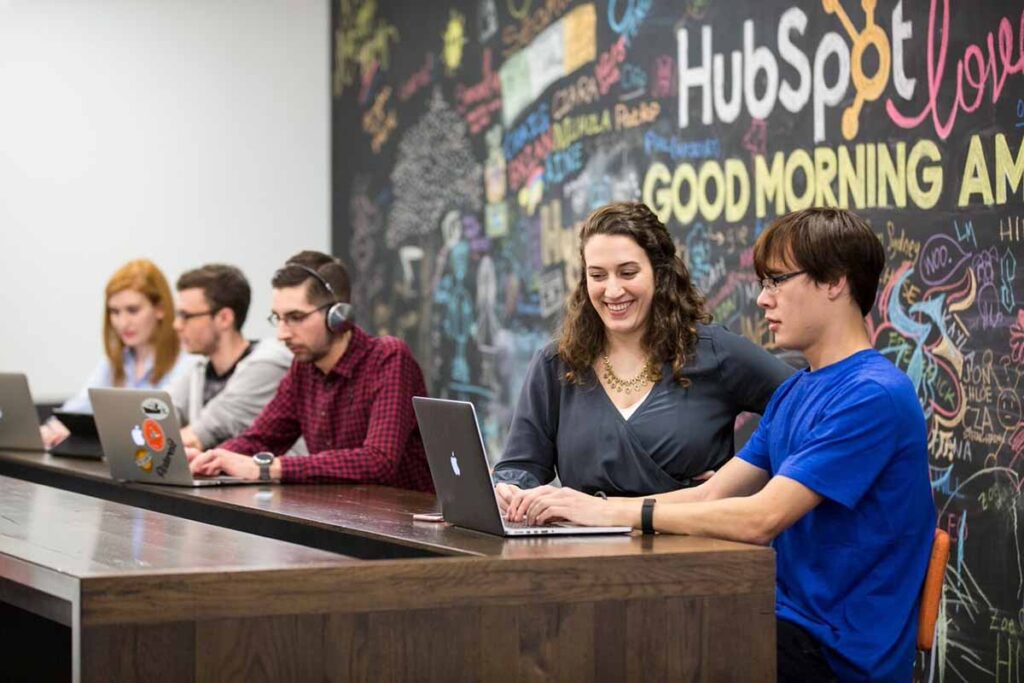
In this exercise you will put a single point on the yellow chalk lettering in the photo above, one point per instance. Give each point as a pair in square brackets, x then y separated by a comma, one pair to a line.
[892, 177]
[769, 184]
[824, 174]
[736, 204]
[711, 210]
[931, 174]
[1009, 171]
[660, 199]
[684, 211]
[975, 175]
[800, 160]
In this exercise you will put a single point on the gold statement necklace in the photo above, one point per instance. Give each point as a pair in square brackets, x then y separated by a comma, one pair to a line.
[628, 386]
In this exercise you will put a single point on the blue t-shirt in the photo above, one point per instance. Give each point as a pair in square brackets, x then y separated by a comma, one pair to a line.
[850, 571]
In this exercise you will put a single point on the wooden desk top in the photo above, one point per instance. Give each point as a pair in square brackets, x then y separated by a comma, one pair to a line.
[121, 574]
[377, 513]
[62, 552]
[85, 537]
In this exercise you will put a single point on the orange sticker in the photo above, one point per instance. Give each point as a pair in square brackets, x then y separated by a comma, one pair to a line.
[144, 460]
[153, 434]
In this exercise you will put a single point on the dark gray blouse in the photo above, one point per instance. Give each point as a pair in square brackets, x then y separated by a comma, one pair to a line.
[577, 432]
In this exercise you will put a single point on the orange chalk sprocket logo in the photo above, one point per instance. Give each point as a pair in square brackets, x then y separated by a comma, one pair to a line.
[869, 88]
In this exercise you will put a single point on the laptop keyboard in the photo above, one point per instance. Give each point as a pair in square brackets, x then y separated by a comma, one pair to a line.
[524, 525]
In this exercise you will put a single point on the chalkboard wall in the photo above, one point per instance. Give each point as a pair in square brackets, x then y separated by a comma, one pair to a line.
[470, 138]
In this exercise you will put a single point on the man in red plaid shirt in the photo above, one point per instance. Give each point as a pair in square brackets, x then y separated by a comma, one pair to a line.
[348, 394]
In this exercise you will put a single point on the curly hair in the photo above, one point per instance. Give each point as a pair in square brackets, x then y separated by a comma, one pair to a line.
[676, 308]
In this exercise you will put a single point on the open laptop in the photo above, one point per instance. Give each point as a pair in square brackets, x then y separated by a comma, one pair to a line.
[142, 440]
[19, 421]
[458, 466]
[83, 441]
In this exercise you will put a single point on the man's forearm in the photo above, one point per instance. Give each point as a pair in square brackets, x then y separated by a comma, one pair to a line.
[690, 495]
[734, 519]
[756, 518]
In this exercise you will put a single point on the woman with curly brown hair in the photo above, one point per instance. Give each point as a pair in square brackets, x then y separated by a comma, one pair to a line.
[639, 393]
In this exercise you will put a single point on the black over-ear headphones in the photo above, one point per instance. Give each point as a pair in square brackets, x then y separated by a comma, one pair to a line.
[340, 313]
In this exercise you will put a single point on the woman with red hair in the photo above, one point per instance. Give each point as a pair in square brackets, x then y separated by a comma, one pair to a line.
[142, 348]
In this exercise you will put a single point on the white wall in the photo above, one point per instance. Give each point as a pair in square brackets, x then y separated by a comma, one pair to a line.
[186, 131]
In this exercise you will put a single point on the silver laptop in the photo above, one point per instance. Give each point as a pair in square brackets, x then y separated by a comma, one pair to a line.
[19, 422]
[142, 441]
[458, 466]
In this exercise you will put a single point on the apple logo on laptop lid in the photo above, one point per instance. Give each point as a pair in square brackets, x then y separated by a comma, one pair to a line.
[455, 465]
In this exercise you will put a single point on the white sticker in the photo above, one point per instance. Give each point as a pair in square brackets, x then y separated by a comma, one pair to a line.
[155, 408]
[137, 437]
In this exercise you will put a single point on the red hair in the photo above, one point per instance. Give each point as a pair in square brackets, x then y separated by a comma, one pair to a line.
[144, 277]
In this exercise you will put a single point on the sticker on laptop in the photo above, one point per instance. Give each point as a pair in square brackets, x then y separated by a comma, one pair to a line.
[144, 460]
[137, 437]
[165, 462]
[153, 433]
[155, 408]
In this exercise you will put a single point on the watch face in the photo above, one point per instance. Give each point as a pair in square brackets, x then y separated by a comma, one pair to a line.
[263, 458]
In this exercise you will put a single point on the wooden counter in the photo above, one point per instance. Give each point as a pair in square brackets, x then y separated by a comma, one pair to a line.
[445, 604]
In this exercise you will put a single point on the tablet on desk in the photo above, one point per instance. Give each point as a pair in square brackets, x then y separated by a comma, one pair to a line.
[83, 441]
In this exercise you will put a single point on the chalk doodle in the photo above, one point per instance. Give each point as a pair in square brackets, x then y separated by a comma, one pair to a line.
[454, 38]
[435, 171]
[868, 88]
[471, 139]
[488, 20]
[362, 43]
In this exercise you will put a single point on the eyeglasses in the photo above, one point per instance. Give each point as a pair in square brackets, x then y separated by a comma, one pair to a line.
[185, 317]
[771, 282]
[293, 318]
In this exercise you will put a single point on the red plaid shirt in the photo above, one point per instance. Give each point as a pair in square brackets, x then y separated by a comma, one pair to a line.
[357, 420]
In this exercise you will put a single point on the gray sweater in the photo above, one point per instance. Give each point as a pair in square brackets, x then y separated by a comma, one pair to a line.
[250, 387]
[577, 432]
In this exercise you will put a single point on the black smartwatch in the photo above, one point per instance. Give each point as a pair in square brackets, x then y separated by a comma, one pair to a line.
[647, 516]
[264, 459]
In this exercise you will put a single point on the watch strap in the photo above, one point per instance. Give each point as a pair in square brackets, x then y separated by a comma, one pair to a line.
[647, 516]
[264, 464]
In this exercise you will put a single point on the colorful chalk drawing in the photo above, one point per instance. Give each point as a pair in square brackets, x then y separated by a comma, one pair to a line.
[471, 139]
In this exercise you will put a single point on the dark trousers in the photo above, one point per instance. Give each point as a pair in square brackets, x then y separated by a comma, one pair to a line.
[799, 657]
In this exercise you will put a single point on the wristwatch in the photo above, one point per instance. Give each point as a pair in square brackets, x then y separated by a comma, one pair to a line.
[264, 459]
[647, 515]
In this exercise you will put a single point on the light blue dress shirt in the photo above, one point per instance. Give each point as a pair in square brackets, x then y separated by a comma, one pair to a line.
[103, 376]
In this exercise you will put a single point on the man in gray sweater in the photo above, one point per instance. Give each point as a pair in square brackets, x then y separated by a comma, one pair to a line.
[234, 378]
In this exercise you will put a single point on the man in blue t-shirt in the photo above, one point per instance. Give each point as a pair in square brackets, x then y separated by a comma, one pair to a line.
[835, 478]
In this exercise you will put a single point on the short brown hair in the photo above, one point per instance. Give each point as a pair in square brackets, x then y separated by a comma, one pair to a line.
[223, 287]
[676, 307]
[827, 244]
[329, 268]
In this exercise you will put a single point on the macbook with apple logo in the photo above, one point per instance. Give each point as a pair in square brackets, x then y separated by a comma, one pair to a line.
[142, 440]
[19, 422]
[458, 466]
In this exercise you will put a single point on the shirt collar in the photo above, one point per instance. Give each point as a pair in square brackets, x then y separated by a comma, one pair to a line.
[211, 372]
[358, 346]
[129, 363]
